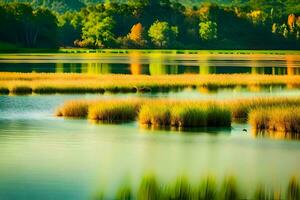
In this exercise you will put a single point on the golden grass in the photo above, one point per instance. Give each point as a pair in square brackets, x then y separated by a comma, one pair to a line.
[113, 112]
[240, 108]
[77, 109]
[276, 119]
[278, 114]
[91, 83]
[185, 114]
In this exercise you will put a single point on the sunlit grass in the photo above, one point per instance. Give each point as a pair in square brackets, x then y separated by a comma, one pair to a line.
[276, 114]
[276, 119]
[241, 108]
[77, 109]
[184, 114]
[43, 83]
[115, 111]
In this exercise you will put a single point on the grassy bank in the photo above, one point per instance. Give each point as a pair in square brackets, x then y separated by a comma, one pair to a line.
[150, 188]
[44, 83]
[179, 113]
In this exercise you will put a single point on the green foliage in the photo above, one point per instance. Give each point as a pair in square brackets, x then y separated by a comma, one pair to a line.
[162, 34]
[97, 31]
[224, 24]
[21, 24]
[208, 30]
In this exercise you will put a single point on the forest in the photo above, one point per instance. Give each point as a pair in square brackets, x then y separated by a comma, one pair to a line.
[151, 24]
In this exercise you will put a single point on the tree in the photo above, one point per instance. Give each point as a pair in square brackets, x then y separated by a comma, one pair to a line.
[97, 30]
[162, 34]
[136, 35]
[208, 30]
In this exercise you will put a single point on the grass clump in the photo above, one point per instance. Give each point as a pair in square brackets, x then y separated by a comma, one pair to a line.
[4, 90]
[241, 108]
[229, 190]
[207, 189]
[77, 109]
[293, 190]
[113, 112]
[149, 189]
[20, 90]
[184, 115]
[276, 119]
[155, 114]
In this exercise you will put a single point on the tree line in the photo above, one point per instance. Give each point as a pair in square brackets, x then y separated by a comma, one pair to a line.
[153, 24]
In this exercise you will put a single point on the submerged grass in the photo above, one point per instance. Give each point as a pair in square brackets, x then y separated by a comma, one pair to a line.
[44, 83]
[150, 188]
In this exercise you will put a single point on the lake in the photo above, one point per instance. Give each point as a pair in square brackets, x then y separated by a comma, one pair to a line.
[151, 63]
[45, 157]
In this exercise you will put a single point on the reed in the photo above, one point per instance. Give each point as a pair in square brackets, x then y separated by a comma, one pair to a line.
[207, 189]
[191, 114]
[229, 190]
[150, 188]
[184, 115]
[76, 109]
[156, 114]
[293, 191]
[114, 112]
[42, 83]
[276, 119]
[241, 108]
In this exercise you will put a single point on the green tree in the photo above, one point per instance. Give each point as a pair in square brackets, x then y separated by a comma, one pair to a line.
[162, 34]
[208, 30]
[97, 31]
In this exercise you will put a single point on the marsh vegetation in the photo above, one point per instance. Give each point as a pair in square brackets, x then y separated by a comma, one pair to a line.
[278, 114]
[150, 188]
[49, 83]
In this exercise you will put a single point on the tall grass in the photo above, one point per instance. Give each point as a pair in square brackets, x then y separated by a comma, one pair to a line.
[184, 114]
[77, 109]
[242, 107]
[113, 112]
[276, 114]
[150, 188]
[43, 83]
[157, 114]
[276, 119]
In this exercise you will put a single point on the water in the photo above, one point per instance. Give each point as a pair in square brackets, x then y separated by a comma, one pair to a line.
[151, 64]
[45, 157]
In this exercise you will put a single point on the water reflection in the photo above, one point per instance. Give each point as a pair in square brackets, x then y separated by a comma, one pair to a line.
[276, 135]
[152, 63]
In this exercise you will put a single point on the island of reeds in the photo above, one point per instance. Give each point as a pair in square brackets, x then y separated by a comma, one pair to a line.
[150, 188]
[51, 83]
[277, 114]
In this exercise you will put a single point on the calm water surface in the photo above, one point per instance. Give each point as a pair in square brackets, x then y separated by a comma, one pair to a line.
[44, 157]
[151, 63]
